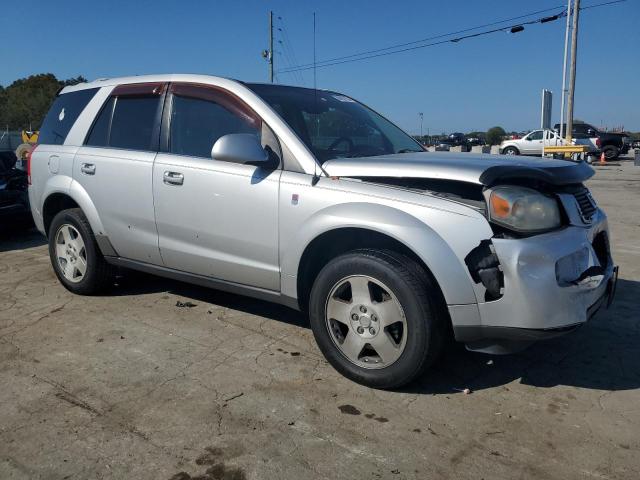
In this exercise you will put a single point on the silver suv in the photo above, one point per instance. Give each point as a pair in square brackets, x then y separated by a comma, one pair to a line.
[311, 199]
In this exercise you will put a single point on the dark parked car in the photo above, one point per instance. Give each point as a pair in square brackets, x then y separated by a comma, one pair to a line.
[14, 200]
[456, 139]
[612, 144]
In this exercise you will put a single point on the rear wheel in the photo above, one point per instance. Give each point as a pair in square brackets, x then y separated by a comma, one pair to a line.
[511, 151]
[377, 317]
[75, 256]
[611, 152]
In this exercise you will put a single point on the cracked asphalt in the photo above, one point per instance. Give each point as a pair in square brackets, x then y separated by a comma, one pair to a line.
[131, 385]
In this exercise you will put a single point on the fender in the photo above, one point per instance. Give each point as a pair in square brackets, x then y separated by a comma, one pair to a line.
[435, 252]
[68, 186]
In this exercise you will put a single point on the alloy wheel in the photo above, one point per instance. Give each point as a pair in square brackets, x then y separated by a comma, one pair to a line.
[366, 322]
[71, 253]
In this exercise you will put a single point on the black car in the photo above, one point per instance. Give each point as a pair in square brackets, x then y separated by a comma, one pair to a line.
[612, 144]
[14, 199]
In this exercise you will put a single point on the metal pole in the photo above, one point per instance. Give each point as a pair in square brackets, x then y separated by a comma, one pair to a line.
[572, 70]
[314, 50]
[564, 69]
[421, 115]
[271, 46]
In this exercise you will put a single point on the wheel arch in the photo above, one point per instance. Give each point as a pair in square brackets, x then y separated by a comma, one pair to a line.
[58, 199]
[331, 232]
[512, 147]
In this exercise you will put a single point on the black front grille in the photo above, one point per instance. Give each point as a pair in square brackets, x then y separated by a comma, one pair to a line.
[586, 204]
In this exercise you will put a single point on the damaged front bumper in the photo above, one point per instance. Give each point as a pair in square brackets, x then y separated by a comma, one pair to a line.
[552, 284]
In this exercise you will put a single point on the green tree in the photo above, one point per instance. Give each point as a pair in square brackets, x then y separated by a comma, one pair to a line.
[3, 108]
[495, 135]
[25, 102]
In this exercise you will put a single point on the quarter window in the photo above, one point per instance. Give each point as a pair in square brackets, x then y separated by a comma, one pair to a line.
[201, 115]
[62, 115]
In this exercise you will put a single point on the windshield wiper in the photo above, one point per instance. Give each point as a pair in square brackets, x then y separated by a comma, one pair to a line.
[408, 150]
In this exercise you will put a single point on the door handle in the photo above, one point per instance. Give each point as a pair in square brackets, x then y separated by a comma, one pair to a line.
[173, 178]
[88, 168]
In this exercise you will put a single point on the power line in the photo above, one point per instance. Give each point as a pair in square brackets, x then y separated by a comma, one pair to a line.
[383, 51]
[399, 45]
[383, 54]
[289, 50]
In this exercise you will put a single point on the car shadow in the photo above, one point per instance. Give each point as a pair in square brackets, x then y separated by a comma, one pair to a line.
[19, 239]
[604, 354]
[137, 283]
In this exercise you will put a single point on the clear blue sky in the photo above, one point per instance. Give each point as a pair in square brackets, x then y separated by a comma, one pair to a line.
[473, 84]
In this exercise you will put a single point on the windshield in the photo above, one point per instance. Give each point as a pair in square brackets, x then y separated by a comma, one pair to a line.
[333, 125]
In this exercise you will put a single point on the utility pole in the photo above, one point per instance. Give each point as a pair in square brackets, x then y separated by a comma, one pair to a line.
[271, 46]
[421, 115]
[572, 69]
[563, 120]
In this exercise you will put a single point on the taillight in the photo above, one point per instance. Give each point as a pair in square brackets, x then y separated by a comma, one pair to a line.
[29, 163]
[598, 142]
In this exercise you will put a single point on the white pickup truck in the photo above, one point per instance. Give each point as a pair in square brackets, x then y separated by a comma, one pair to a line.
[533, 143]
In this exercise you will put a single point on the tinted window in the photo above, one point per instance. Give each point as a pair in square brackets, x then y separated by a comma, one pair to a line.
[126, 122]
[62, 115]
[99, 136]
[197, 123]
[133, 122]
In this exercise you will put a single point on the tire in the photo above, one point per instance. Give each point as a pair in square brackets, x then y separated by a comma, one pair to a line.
[71, 241]
[395, 283]
[511, 151]
[611, 152]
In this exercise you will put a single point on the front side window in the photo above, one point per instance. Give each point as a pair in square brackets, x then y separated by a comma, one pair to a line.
[201, 115]
[334, 125]
[128, 120]
[537, 135]
[62, 115]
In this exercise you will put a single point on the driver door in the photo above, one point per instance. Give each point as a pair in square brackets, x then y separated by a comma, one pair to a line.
[215, 218]
[532, 144]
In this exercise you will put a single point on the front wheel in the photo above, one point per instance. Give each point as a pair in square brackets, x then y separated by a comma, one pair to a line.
[377, 317]
[511, 151]
[75, 256]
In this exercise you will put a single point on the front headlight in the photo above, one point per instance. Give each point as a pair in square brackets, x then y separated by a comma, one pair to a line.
[523, 209]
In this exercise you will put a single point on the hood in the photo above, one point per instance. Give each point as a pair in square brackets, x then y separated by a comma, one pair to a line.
[480, 169]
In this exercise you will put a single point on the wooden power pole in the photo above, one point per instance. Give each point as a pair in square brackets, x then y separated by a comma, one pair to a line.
[572, 69]
[271, 46]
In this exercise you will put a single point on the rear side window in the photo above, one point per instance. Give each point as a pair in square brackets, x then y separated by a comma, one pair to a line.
[201, 115]
[62, 115]
[129, 120]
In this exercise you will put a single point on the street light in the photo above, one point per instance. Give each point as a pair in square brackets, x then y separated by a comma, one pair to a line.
[421, 115]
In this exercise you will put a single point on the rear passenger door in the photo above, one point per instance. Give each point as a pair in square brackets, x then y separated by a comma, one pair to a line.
[115, 168]
[215, 218]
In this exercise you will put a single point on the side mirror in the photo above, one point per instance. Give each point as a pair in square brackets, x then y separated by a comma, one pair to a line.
[239, 148]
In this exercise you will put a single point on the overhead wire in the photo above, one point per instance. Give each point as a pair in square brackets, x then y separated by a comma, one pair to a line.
[418, 44]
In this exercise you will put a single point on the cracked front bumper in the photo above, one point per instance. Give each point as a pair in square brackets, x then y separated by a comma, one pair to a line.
[553, 283]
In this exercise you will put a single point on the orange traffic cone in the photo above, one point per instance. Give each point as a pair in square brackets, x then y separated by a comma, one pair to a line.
[603, 159]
